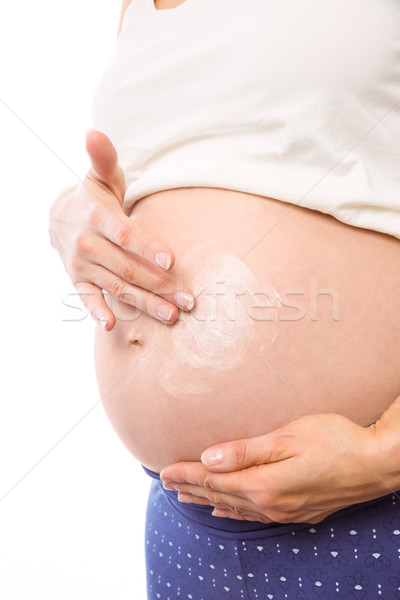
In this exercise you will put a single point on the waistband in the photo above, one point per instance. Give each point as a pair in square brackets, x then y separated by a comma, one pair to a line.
[233, 528]
[202, 514]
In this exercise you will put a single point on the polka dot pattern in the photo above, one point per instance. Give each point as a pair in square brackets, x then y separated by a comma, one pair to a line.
[351, 556]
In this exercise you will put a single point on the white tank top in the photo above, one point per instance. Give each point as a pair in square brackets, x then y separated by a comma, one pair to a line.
[297, 100]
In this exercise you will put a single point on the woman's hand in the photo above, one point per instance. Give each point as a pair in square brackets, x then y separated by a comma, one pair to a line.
[103, 249]
[302, 472]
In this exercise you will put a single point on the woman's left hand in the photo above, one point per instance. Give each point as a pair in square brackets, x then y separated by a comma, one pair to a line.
[301, 472]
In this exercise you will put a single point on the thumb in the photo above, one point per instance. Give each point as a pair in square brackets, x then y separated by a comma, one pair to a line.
[240, 454]
[105, 169]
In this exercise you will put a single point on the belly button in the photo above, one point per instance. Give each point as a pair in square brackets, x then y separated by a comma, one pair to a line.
[136, 341]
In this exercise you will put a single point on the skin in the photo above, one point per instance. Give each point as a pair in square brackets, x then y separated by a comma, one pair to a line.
[350, 366]
[165, 4]
[349, 463]
[302, 472]
[124, 6]
[102, 250]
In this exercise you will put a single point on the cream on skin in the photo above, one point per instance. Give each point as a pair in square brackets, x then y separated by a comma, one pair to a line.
[349, 366]
[216, 335]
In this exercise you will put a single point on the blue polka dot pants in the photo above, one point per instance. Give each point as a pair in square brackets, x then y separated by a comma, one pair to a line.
[354, 554]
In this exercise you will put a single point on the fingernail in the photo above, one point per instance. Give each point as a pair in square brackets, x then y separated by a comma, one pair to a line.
[165, 312]
[219, 514]
[168, 486]
[212, 457]
[184, 300]
[103, 322]
[163, 260]
[88, 131]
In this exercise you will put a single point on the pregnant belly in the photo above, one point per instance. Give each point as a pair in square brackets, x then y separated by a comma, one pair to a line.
[295, 313]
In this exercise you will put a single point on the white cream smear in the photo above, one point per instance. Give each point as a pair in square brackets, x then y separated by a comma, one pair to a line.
[195, 354]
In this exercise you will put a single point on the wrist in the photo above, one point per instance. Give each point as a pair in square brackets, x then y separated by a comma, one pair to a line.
[386, 437]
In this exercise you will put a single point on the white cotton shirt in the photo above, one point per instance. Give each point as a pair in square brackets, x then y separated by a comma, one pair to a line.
[297, 100]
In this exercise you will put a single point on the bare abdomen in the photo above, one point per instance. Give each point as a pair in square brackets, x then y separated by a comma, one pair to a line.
[296, 312]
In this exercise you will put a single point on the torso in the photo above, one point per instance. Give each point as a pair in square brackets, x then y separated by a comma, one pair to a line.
[169, 397]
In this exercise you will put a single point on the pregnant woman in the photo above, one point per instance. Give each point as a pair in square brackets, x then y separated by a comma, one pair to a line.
[246, 170]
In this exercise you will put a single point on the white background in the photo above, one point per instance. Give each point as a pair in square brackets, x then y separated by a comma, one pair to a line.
[72, 527]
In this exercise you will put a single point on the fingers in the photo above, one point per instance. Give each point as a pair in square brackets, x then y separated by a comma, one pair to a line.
[93, 299]
[127, 267]
[207, 496]
[230, 508]
[130, 263]
[105, 182]
[105, 168]
[125, 233]
[190, 472]
[132, 280]
[238, 484]
[242, 454]
[107, 175]
[227, 513]
[142, 299]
